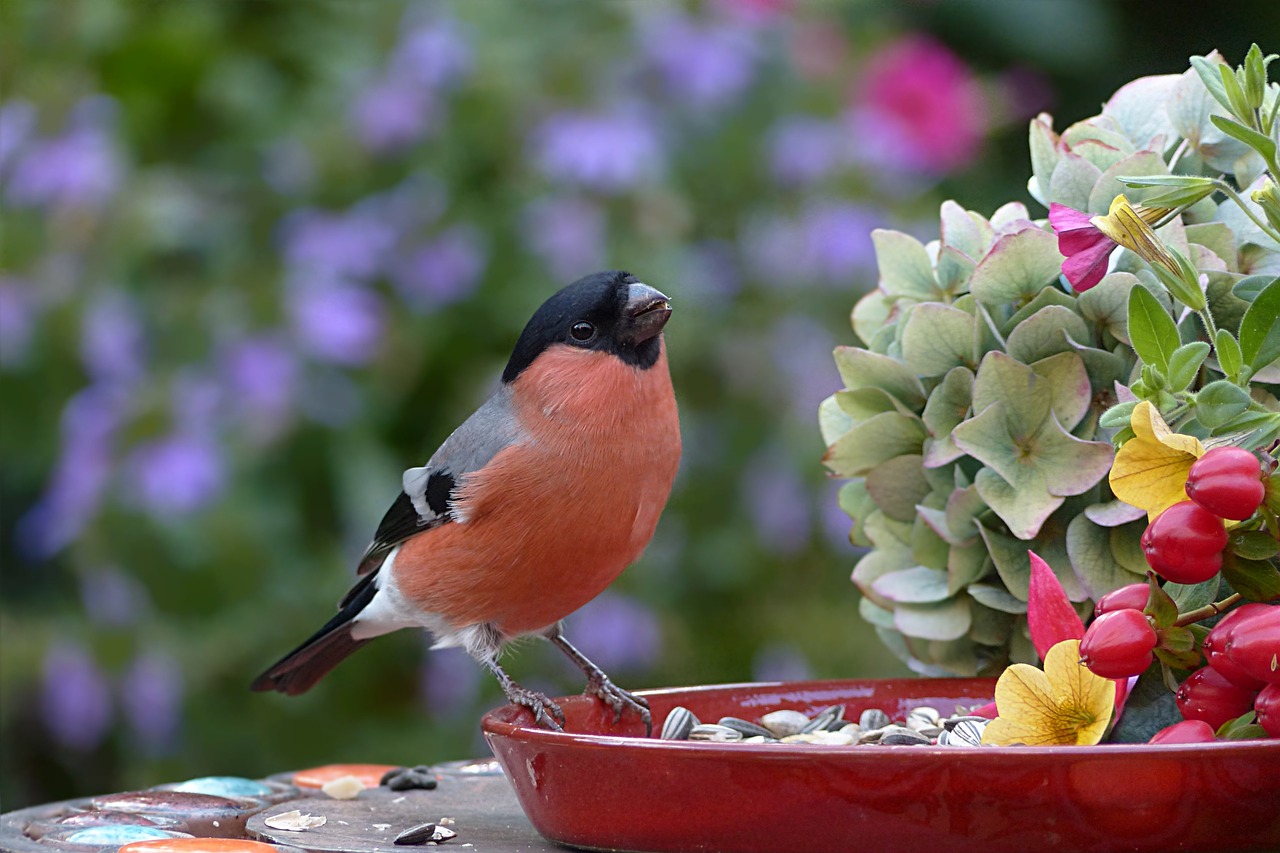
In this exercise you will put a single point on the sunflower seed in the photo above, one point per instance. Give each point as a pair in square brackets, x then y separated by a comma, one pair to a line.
[715, 734]
[824, 718]
[678, 724]
[873, 718]
[747, 728]
[965, 733]
[902, 736]
[951, 723]
[783, 723]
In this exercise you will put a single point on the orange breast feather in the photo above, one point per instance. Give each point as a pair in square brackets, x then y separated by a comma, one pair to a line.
[553, 521]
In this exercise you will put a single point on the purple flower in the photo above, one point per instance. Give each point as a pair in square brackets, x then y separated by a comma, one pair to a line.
[390, 114]
[151, 696]
[17, 320]
[112, 339]
[336, 321]
[17, 120]
[261, 375]
[112, 598]
[568, 233]
[90, 421]
[610, 151]
[80, 168]
[176, 475]
[838, 240]
[828, 242]
[341, 245]
[706, 64]
[777, 502]
[75, 697]
[835, 521]
[434, 54]
[781, 662]
[449, 682]
[801, 351]
[804, 149]
[617, 633]
[442, 271]
[196, 401]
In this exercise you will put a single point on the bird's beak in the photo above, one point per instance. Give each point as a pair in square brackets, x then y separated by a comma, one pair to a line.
[646, 312]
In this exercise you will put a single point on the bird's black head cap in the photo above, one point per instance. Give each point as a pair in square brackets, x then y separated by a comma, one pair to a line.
[609, 311]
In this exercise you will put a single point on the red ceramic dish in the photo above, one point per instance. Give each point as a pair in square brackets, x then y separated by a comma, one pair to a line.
[605, 786]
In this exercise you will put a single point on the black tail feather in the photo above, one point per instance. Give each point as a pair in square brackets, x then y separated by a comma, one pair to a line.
[298, 671]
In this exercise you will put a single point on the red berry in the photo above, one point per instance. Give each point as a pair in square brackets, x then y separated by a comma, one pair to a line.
[1206, 695]
[1252, 645]
[1130, 597]
[1187, 731]
[1118, 644]
[1227, 481]
[1267, 705]
[1225, 667]
[1185, 542]
[1227, 624]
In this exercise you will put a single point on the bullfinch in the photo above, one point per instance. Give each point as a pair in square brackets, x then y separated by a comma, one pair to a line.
[530, 508]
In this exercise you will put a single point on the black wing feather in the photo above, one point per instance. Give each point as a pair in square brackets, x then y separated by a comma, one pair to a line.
[402, 520]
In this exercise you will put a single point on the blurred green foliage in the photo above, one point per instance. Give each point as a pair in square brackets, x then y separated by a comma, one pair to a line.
[258, 257]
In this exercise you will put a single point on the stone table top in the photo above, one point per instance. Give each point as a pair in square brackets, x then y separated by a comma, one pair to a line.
[472, 799]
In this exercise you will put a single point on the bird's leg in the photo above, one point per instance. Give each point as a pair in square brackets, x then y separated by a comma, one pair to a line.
[598, 684]
[545, 712]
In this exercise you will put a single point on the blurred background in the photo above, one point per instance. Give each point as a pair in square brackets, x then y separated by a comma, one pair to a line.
[258, 257]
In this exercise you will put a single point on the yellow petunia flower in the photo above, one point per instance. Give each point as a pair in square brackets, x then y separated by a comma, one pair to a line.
[1150, 470]
[1065, 704]
[1134, 228]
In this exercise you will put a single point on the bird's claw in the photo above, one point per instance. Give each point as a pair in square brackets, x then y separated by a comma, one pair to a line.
[620, 700]
[546, 713]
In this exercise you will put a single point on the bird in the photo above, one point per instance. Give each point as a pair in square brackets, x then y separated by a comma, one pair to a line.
[531, 507]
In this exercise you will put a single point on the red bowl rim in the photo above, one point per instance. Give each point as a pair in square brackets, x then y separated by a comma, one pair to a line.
[494, 726]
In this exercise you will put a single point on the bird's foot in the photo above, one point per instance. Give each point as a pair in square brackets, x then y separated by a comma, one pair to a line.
[598, 684]
[546, 713]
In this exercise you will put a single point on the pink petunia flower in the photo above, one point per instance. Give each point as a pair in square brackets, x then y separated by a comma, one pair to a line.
[1086, 249]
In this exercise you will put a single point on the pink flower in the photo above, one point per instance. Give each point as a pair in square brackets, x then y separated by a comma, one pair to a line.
[1086, 249]
[921, 107]
[1050, 614]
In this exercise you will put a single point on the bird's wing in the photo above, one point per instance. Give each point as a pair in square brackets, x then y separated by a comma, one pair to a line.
[427, 492]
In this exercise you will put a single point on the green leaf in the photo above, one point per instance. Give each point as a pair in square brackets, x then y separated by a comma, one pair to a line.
[1208, 71]
[860, 368]
[1118, 415]
[1193, 596]
[904, 265]
[1047, 332]
[1185, 362]
[997, 598]
[1149, 708]
[897, 485]
[1219, 402]
[1089, 547]
[1235, 95]
[1256, 580]
[1179, 660]
[916, 585]
[948, 620]
[1151, 329]
[874, 441]
[1261, 143]
[1229, 356]
[1175, 639]
[947, 408]
[1260, 328]
[1249, 287]
[937, 338]
[1230, 730]
[1253, 544]
[1160, 606]
[1016, 268]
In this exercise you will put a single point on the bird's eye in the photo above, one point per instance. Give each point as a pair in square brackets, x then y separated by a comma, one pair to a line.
[582, 331]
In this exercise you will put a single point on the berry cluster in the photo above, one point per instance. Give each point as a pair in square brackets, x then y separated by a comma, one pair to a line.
[1235, 666]
[1185, 542]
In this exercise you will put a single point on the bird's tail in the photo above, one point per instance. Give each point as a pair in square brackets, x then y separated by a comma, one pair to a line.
[298, 671]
